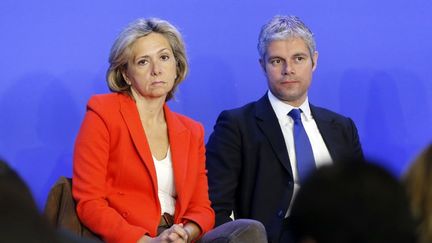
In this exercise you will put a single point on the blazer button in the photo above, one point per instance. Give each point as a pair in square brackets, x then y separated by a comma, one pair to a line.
[120, 193]
[125, 214]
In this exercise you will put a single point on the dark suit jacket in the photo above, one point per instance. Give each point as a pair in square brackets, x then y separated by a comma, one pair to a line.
[248, 165]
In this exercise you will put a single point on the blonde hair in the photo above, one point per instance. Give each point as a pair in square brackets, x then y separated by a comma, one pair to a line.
[121, 51]
[418, 182]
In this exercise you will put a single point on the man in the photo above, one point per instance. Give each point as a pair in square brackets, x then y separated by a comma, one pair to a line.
[256, 152]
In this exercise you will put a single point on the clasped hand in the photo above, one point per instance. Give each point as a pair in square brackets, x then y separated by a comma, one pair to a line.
[175, 234]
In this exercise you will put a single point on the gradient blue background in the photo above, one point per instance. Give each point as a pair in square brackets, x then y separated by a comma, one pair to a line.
[374, 66]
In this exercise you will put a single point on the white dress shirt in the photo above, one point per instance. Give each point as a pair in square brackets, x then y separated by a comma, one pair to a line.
[319, 149]
[165, 180]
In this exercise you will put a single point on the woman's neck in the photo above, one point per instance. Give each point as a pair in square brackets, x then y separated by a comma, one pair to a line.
[150, 109]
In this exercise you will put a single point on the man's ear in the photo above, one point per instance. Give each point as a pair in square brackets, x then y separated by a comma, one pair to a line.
[314, 60]
[262, 63]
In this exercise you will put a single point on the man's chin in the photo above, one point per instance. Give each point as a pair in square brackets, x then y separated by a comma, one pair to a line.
[293, 100]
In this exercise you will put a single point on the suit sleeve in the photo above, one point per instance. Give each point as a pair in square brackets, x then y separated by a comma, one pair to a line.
[224, 162]
[91, 157]
[357, 151]
[199, 209]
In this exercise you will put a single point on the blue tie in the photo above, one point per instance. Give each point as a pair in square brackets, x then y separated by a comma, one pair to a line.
[303, 148]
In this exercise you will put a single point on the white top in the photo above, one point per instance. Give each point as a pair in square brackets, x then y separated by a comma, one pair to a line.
[319, 149]
[165, 180]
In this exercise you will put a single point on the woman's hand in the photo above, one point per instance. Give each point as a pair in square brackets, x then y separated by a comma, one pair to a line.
[193, 230]
[175, 234]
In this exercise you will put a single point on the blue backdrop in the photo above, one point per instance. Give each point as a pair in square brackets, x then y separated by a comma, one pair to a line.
[374, 66]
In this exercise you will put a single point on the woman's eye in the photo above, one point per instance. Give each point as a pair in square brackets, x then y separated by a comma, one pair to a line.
[165, 57]
[142, 62]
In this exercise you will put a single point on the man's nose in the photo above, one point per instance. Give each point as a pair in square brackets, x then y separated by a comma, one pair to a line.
[288, 69]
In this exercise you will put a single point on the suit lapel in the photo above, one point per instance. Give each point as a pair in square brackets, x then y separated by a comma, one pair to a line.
[269, 125]
[179, 139]
[130, 116]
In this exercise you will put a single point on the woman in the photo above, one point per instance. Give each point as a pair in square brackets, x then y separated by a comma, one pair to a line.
[134, 158]
[418, 181]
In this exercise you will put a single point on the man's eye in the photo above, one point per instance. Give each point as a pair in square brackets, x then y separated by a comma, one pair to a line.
[299, 59]
[275, 61]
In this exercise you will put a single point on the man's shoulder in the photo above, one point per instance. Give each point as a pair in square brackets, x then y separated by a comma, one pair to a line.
[244, 109]
[320, 113]
[248, 109]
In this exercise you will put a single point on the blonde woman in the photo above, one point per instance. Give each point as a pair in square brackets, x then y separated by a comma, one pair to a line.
[139, 168]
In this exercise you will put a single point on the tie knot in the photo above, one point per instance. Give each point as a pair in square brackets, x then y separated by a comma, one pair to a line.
[295, 114]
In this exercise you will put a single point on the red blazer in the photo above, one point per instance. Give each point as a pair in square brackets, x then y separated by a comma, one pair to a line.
[114, 178]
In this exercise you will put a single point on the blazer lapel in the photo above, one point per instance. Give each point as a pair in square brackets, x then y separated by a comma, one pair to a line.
[267, 121]
[179, 139]
[130, 115]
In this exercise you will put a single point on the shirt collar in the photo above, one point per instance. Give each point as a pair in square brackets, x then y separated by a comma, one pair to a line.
[282, 109]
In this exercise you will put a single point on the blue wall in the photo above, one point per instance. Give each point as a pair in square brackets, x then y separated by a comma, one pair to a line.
[374, 66]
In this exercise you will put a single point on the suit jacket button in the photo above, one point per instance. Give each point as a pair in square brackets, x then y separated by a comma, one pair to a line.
[125, 214]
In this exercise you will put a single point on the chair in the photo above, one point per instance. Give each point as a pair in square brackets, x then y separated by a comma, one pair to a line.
[60, 209]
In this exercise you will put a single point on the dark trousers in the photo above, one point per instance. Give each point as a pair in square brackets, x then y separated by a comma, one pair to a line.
[237, 231]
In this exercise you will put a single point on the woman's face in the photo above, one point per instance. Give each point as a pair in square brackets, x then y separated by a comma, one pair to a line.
[151, 68]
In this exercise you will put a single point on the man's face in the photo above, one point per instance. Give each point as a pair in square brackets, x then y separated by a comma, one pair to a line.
[289, 67]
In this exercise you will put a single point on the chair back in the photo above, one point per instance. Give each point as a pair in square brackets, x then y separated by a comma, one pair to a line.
[60, 209]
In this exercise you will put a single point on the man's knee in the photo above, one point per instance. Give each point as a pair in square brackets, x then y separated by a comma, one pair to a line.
[249, 230]
[241, 230]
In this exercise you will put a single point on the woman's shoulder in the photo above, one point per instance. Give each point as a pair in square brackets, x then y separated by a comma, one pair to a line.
[188, 122]
[107, 101]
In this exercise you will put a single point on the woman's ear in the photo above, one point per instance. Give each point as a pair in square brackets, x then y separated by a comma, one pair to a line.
[125, 77]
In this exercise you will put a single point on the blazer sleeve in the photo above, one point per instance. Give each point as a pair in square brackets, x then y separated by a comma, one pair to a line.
[199, 209]
[91, 157]
[357, 151]
[224, 164]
